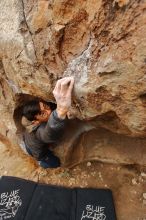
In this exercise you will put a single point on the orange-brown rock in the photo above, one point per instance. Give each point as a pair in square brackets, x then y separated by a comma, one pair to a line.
[103, 45]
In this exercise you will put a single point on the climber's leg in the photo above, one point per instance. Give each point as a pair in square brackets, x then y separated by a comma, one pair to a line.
[49, 161]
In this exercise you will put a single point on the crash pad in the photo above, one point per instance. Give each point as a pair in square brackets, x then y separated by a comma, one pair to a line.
[26, 200]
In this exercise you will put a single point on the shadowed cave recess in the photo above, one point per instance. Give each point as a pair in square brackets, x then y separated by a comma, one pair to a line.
[91, 140]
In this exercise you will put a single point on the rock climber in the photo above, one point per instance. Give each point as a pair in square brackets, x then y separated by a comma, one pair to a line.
[45, 125]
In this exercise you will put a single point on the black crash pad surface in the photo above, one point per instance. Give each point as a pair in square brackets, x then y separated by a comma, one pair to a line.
[25, 200]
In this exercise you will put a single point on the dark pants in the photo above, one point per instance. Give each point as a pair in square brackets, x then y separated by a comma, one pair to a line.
[48, 161]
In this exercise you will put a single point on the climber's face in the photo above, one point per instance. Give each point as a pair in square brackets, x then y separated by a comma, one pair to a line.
[45, 113]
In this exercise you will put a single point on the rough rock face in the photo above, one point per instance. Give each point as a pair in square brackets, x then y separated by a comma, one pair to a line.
[102, 43]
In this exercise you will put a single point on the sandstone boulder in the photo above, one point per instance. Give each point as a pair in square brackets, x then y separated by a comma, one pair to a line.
[103, 45]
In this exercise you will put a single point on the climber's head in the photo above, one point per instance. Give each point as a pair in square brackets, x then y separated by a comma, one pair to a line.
[38, 111]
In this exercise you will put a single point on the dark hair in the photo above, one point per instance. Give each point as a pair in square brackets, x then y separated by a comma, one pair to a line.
[32, 108]
[52, 105]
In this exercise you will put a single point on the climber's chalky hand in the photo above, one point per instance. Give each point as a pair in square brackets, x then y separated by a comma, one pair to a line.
[62, 93]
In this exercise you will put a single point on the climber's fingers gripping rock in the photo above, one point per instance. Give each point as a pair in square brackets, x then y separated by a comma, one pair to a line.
[62, 93]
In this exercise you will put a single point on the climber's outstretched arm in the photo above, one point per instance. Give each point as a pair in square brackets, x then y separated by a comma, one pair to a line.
[54, 129]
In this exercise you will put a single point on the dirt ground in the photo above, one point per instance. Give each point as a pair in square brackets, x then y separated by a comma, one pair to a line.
[128, 183]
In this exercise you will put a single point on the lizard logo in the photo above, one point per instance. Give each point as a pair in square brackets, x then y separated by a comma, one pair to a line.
[9, 204]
